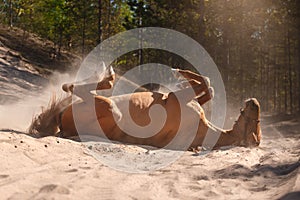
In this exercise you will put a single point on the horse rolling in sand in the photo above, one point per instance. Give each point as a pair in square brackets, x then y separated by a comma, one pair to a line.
[58, 119]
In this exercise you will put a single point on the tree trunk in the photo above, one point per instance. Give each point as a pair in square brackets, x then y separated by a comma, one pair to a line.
[299, 75]
[261, 73]
[285, 93]
[290, 71]
[60, 39]
[99, 39]
[83, 29]
[201, 23]
[141, 61]
[267, 87]
[275, 97]
[10, 13]
[108, 19]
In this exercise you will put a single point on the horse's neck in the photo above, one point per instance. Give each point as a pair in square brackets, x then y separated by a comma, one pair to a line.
[215, 128]
[227, 137]
[239, 126]
[63, 105]
[236, 134]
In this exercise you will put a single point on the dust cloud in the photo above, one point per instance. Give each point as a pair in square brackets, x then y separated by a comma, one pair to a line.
[18, 115]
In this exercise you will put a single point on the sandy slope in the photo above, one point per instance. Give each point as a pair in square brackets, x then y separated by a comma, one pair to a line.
[54, 168]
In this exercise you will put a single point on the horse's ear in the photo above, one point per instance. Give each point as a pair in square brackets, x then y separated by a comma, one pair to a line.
[109, 71]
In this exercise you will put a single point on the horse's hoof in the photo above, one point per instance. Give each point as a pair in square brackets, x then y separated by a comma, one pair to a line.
[68, 87]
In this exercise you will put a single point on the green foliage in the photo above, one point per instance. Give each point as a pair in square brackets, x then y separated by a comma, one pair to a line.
[255, 43]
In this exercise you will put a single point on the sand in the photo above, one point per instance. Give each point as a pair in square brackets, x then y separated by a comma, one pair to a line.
[56, 168]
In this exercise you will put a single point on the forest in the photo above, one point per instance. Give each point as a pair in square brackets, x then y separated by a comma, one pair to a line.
[254, 43]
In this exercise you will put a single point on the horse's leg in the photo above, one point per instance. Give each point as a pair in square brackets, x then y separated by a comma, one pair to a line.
[208, 91]
[191, 75]
[106, 83]
[196, 79]
[83, 88]
[208, 95]
[187, 94]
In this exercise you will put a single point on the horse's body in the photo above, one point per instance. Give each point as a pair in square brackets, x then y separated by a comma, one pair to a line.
[111, 112]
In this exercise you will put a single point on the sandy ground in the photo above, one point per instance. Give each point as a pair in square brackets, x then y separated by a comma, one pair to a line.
[55, 168]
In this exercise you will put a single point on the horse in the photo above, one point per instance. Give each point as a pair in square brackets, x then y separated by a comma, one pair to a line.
[115, 119]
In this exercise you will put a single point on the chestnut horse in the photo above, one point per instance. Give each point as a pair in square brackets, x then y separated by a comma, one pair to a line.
[114, 120]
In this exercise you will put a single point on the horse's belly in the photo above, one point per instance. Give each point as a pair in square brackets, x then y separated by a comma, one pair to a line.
[159, 127]
[139, 122]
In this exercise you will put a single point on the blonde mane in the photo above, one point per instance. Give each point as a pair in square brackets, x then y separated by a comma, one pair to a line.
[47, 123]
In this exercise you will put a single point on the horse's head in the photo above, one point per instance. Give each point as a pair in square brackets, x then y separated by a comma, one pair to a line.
[248, 124]
[107, 79]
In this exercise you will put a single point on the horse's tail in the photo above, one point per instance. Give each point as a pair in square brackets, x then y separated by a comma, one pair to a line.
[47, 123]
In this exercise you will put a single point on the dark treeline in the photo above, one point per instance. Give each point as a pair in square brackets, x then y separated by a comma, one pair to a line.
[255, 43]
